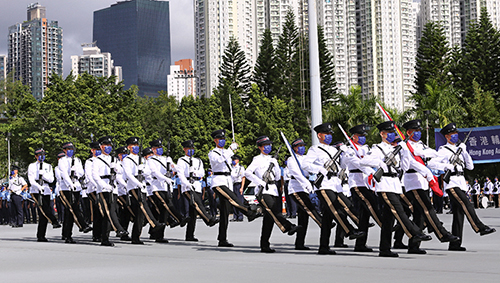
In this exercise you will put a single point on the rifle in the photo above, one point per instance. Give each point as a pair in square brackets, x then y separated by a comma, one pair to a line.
[267, 177]
[455, 160]
[140, 176]
[389, 161]
[353, 145]
[40, 182]
[331, 167]
[191, 181]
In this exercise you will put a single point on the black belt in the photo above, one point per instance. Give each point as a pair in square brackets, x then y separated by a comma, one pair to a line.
[223, 173]
[106, 177]
[457, 174]
[355, 171]
[411, 171]
[237, 183]
[271, 183]
[390, 175]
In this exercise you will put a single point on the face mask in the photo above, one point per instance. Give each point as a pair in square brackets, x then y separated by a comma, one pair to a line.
[286, 163]
[190, 152]
[361, 140]
[328, 139]
[454, 138]
[233, 162]
[70, 152]
[417, 135]
[159, 151]
[390, 137]
[41, 158]
[108, 149]
[221, 143]
[267, 148]
[98, 152]
[12, 173]
[135, 149]
[124, 155]
[301, 150]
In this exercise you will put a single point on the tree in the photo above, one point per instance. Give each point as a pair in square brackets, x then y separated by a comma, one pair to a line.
[234, 69]
[327, 70]
[158, 115]
[481, 108]
[265, 72]
[480, 59]
[432, 57]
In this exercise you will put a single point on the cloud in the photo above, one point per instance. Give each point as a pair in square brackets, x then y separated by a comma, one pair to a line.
[76, 18]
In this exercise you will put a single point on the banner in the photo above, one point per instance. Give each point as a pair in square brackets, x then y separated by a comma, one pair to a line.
[483, 144]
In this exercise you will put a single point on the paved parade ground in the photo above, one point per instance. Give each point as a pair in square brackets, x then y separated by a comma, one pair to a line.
[25, 260]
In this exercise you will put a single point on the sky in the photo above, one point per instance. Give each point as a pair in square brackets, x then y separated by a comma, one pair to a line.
[76, 19]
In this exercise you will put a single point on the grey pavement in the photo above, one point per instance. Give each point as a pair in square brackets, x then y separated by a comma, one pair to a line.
[22, 259]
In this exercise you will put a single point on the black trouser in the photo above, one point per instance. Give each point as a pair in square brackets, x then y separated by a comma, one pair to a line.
[423, 212]
[393, 209]
[291, 206]
[332, 209]
[167, 213]
[347, 206]
[125, 211]
[228, 198]
[495, 200]
[60, 209]
[196, 207]
[408, 208]
[17, 210]
[461, 207]
[87, 212]
[107, 202]
[5, 212]
[237, 214]
[72, 213]
[97, 218]
[141, 211]
[272, 214]
[305, 209]
[45, 213]
[368, 206]
[475, 200]
[212, 202]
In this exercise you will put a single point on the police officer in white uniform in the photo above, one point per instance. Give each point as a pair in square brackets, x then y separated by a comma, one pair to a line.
[475, 192]
[456, 186]
[488, 189]
[496, 191]
[329, 188]
[190, 171]
[389, 188]
[268, 194]
[238, 177]
[40, 175]
[91, 185]
[71, 170]
[416, 181]
[299, 189]
[125, 212]
[222, 184]
[16, 185]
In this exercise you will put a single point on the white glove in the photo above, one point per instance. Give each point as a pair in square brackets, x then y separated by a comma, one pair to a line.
[429, 176]
[233, 146]
[344, 148]
[463, 146]
[383, 166]
[140, 167]
[108, 188]
[309, 189]
[449, 167]
[323, 171]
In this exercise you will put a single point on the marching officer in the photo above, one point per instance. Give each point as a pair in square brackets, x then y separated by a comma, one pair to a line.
[362, 194]
[71, 169]
[161, 172]
[238, 177]
[389, 187]
[104, 175]
[16, 185]
[40, 175]
[124, 209]
[476, 191]
[456, 186]
[95, 214]
[222, 184]
[299, 189]
[190, 171]
[329, 188]
[416, 181]
[268, 194]
[496, 191]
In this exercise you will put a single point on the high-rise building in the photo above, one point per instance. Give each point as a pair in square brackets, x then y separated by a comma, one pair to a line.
[95, 63]
[182, 80]
[137, 34]
[35, 50]
[215, 22]
[3, 67]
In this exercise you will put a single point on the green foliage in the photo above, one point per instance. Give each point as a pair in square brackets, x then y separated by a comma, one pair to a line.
[234, 69]
[265, 72]
[481, 108]
[327, 70]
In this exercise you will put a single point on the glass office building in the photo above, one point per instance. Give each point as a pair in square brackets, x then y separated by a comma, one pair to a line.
[137, 33]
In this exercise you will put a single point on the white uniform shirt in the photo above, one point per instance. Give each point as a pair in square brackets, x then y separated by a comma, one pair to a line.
[91, 184]
[34, 174]
[374, 158]
[101, 173]
[16, 184]
[185, 166]
[57, 174]
[351, 159]
[476, 189]
[418, 180]
[131, 167]
[237, 173]
[299, 182]
[218, 158]
[488, 187]
[121, 182]
[316, 158]
[66, 166]
[158, 166]
[256, 170]
[496, 188]
[439, 162]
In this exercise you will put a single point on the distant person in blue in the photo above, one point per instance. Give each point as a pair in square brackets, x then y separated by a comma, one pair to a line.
[16, 185]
